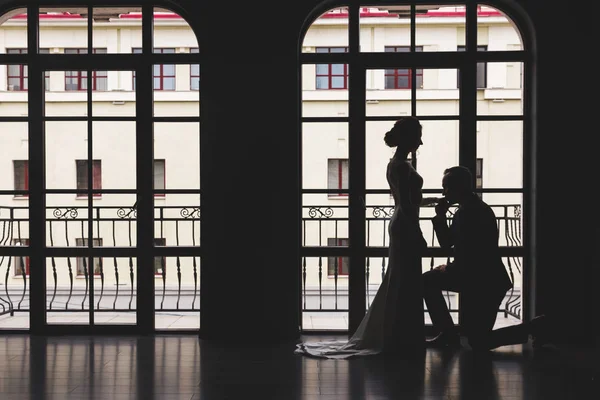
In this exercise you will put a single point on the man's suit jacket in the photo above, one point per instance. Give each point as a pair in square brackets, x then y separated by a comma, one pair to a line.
[473, 237]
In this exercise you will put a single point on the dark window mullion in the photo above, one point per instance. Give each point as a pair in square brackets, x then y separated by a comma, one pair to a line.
[37, 198]
[90, 164]
[145, 178]
[467, 142]
[356, 173]
[412, 72]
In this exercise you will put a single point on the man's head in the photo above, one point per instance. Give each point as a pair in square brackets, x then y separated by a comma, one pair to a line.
[457, 184]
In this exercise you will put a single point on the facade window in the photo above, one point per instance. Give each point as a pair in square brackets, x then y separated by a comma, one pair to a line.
[77, 80]
[337, 175]
[479, 175]
[17, 74]
[339, 263]
[160, 263]
[160, 181]
[195, 72]
[84, 242]
[21, 263]
[332, 76]
[481, 69]
[402, 78]
[21, 172]
[82, 176]
[164, 74]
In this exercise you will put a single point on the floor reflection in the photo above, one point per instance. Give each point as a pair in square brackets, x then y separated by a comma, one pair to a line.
[183, 367]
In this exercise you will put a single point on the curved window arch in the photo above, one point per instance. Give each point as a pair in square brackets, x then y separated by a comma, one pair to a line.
[466, 72]
[101, 117]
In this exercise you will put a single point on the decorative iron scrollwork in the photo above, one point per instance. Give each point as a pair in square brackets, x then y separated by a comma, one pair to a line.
[190, 213]
[320, 212]
[130, 213]
[383, 212]
[517, 210]
[67, 213]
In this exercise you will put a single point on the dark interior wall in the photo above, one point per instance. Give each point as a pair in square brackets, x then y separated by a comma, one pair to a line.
[250, 271]
[264, 152]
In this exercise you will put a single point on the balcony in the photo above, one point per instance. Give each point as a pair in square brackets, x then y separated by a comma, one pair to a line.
[177, 276]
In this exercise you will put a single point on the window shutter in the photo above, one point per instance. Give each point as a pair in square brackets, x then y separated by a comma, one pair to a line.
[81, 166]
[344, 172]
[332, 174]
[97, 174]
[159, 174]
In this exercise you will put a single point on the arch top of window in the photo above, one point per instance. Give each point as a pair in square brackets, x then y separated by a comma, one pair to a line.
[167, 25]
[385, 25]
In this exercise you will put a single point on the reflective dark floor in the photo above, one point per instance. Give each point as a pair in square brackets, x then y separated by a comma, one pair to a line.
[183, 367]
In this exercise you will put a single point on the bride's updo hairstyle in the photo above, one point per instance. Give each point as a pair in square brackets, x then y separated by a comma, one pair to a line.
[405, 133]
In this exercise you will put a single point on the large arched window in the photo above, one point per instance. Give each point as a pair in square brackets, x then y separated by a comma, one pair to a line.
[100, 168]
[466, 72]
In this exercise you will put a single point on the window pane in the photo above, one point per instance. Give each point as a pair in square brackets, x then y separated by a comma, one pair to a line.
[447, 33]
[321, 144]
[65, 141]
[500, 145]
[74, 40]
[439, 150]
[165, 21]
[338, 82]
[322, 82]
[504, 92]
[14, 164]
[390, 82]
[109, 19]
[120, 102]
[390, 103]
[15, 70]
[118, 162]
[403, 82]
[168, 83]
[76, 302]
[15, 84]
[322, 69]
[71, 84]
[397, 27]
[337, 69]
[178, 144]
[442, 92]
[493, 24]
[331, 24]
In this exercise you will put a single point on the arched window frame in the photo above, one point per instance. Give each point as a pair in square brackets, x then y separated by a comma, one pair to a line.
[38, 252]
[467, 63]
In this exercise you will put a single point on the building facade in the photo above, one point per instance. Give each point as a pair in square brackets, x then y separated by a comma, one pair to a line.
[176, 145]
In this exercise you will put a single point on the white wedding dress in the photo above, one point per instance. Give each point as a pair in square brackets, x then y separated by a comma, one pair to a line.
[395, 319]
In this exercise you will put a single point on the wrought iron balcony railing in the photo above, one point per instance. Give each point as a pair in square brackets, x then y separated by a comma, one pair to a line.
[114, 229]
[325, 253]
[177, 277]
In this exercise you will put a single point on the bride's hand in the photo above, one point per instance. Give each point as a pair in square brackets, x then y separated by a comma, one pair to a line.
[430, 201]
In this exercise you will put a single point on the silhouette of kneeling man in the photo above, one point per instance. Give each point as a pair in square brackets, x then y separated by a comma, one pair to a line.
[477, 272]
